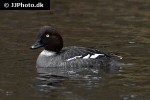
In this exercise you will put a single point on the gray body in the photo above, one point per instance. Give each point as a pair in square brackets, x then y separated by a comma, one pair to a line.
[80, 60]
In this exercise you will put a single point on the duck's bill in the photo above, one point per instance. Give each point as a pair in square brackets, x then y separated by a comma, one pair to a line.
[36, 45]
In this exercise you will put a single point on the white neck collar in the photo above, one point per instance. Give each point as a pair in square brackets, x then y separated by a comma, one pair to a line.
[47, 53]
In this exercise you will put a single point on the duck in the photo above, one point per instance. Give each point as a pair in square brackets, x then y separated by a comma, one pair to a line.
[56, 55]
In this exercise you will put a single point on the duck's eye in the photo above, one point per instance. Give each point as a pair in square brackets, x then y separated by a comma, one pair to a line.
[47, 35]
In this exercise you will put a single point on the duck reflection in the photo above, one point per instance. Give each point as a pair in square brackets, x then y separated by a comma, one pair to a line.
[55, 75]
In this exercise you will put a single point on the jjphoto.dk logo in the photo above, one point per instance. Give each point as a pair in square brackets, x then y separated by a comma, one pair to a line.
[25, 5]
[6, 5]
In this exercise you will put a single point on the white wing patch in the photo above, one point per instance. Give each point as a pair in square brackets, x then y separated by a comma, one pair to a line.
[86, 57]
[73, 58]
[96, 55]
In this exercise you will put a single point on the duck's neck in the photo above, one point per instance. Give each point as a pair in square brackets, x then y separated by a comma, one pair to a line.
[48, 53]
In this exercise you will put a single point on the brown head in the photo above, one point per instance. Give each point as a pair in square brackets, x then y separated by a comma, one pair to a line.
[49, 38]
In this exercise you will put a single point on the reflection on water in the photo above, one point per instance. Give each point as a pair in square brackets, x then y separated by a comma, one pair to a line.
[89, 79]
[55, 79]
[52, 75]
[120, 26]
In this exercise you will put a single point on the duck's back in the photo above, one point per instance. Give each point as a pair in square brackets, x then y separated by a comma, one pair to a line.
[81, 56]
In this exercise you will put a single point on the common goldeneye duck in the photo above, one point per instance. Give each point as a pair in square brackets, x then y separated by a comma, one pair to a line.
[55, 55]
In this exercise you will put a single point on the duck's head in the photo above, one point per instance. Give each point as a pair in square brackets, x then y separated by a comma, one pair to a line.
[48, 38]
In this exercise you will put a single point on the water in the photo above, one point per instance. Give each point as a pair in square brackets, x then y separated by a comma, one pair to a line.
[120, 26]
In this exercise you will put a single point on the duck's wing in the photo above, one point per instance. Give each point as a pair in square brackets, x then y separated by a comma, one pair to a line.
[73, 52]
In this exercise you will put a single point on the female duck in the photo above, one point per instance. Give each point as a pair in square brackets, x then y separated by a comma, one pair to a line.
[55, 55]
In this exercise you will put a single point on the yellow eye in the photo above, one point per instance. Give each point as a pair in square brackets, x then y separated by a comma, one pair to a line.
[47, 35]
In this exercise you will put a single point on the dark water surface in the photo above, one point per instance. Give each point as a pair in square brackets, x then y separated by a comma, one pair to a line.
[119, 26]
